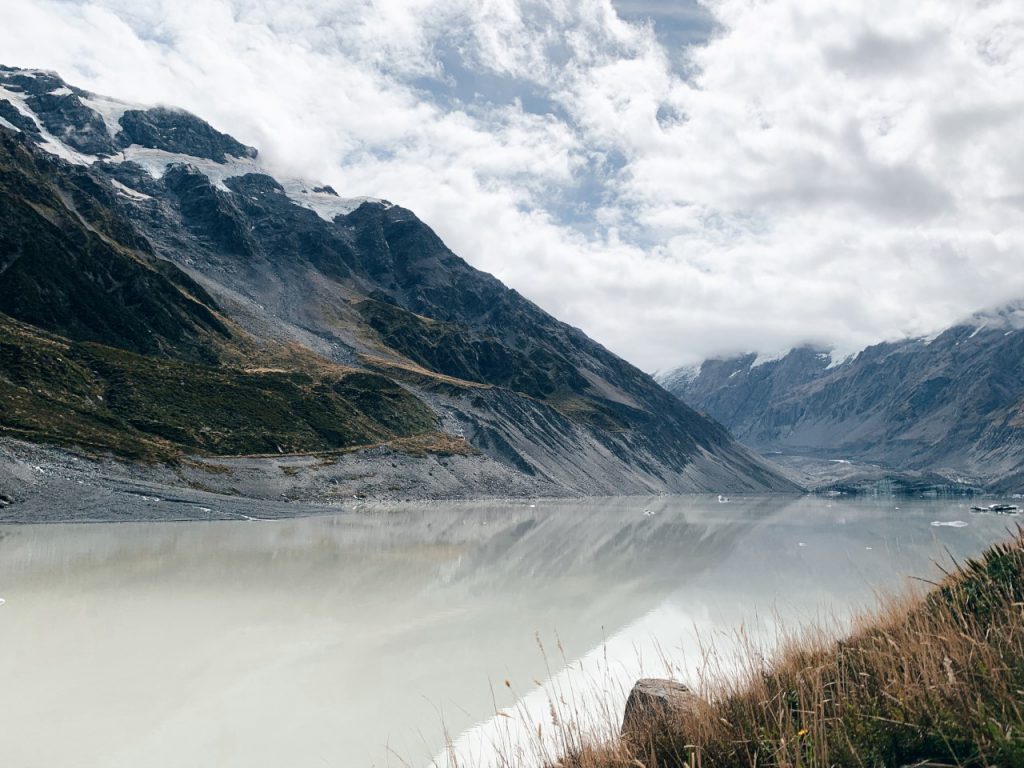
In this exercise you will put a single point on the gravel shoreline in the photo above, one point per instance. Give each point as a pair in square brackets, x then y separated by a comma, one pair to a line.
[53, 485]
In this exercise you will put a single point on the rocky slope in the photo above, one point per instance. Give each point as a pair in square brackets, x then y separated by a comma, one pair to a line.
[952, 404]
[165, 296]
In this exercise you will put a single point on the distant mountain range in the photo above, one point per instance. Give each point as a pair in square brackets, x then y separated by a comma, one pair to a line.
[948, 409]
[162, 295]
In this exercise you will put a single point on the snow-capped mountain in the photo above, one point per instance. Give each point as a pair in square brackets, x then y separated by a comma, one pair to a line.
[952, 403]
[163, 293]
[84, 128]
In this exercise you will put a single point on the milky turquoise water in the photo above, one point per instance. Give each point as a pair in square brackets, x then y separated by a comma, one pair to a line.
[362, 639]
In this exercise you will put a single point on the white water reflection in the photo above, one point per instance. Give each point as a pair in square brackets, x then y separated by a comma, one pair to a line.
[347, 641]
[806, 563]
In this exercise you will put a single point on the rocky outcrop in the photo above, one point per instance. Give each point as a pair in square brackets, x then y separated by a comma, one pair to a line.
[59, 109]
[180, 132]
[654, 703]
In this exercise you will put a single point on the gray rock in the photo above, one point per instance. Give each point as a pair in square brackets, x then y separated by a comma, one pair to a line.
[652, 701]
[177, 131]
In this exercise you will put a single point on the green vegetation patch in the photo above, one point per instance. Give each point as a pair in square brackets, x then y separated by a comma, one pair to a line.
[145, 407]
[455, 351]
[71, 267]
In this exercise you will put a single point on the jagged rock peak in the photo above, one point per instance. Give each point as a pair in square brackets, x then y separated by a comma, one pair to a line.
[37, 101]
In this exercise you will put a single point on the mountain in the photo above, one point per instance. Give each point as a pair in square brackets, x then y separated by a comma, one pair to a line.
[951, 405]
[166, 298]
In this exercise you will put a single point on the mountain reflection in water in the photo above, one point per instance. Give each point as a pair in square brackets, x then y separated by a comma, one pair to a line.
[358, 638]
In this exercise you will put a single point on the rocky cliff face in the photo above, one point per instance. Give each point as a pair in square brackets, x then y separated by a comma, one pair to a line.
[952, 404]
[141, 247]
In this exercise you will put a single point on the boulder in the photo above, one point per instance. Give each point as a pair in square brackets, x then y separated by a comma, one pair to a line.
[652, 702]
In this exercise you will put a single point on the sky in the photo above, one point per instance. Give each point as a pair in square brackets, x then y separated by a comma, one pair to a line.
[678, 179]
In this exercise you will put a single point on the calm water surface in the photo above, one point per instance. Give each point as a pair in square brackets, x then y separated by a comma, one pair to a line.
[361, 639]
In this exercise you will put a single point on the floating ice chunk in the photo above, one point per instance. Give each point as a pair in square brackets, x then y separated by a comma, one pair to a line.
[2, 601]
[950, 524]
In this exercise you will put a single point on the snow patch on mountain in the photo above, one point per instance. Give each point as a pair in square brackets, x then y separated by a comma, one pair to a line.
[110, 110]
[18, 100]
[978, 330]
[763, 358]
[837, 359]
[157, 161]
[49, 142]
[326, 205]
[127, 191]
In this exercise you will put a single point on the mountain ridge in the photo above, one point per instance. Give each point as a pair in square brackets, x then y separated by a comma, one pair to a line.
[951, 404]
[308, 289]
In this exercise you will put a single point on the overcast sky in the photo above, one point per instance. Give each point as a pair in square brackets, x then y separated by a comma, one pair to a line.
[677, 179]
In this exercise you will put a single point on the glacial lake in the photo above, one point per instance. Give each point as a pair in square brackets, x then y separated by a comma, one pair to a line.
[363, 638]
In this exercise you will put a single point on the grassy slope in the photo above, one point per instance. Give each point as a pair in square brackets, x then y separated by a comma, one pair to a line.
[932, 681]
[451, 352]
[106, 347]
[69, 264]
[143, 407]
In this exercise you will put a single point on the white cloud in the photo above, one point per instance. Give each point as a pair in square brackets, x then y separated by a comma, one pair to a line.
[819, 171]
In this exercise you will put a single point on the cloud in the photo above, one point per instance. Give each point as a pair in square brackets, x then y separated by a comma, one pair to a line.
[828, 172]
[873, 52]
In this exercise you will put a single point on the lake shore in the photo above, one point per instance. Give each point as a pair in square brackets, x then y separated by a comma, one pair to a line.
[192, 634]
[54, 484]
[50, 485]
[927, 680]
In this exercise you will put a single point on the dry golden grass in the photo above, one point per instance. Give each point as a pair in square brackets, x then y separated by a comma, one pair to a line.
[437, 443]
[401, 368]
[933, 679]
